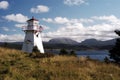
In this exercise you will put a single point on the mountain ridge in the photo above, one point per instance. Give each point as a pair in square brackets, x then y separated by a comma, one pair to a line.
[67, 43]
[62, 41]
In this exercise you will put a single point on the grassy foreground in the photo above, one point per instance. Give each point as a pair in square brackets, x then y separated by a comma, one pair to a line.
[15, 65]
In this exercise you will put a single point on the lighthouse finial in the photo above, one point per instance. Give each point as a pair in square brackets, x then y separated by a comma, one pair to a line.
[32, 17]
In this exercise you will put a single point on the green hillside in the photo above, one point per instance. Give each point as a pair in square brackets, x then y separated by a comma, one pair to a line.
[16, 65]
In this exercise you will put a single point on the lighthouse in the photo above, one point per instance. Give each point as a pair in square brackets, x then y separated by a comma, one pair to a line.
[32, 36]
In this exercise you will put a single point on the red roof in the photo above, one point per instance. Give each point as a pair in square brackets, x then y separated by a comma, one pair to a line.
[33, 19]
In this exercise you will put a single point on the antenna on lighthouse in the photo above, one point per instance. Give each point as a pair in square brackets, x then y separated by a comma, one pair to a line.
[32, 36]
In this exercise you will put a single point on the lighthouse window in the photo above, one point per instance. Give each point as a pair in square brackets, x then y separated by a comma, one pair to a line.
[37, 35]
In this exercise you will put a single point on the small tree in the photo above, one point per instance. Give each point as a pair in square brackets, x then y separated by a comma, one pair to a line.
[35, 49]
[63, 52]
[106, 59]
[72, 53]
[5, 44]
[115, 51]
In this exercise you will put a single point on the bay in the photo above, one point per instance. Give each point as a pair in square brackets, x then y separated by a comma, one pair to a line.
[94, 54]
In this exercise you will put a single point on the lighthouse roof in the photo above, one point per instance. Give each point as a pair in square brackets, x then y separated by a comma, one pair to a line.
[32, 19]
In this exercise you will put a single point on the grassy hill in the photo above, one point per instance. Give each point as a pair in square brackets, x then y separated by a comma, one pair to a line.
[16, 65]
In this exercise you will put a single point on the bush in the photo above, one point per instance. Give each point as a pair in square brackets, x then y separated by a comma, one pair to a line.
[39, 55]
[63, 52]
[72, 53]
[106, 59]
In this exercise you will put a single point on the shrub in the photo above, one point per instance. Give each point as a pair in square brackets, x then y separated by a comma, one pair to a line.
[72, 53]
[63, 52]
[39, 55]
[106, 60]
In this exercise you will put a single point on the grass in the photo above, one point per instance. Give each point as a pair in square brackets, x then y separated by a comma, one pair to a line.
[16, 65]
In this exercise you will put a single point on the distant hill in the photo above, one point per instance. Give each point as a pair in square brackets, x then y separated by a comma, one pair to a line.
[67, 43]
[13, 45]
[94, 42]
[63, 41]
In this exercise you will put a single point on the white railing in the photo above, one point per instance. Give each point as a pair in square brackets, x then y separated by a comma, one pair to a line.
[36, 28]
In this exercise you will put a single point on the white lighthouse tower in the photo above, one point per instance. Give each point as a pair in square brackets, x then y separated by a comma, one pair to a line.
[32, 36]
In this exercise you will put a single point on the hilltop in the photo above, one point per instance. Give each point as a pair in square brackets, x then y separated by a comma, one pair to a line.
[16, 65]
[63, 41]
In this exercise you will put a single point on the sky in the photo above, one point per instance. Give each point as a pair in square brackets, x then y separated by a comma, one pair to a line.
[75, 19]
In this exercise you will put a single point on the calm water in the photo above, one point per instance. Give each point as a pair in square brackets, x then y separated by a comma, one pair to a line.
[94, 54]
[99, 55]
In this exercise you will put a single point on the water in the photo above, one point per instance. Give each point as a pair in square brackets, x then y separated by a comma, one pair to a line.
[95, 54]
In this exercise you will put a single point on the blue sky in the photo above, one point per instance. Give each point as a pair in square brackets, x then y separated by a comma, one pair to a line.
[75, 19]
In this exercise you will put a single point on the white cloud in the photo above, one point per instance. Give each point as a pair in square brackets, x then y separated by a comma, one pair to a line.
[5, 28]
[20, 25]
[11, 38]
[77, 30]
[58, 20]
[86, 20]
[14, 30]
[64, 20]
[61, 20]
[45, 27]
[100, 27]
[4, 5]
[39, 9]
[16, 17]
[47, 20]
[74, 2]
[112, 19]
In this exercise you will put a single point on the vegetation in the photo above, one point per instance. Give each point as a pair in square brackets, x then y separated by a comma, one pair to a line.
[115, 51]
[65, 52]
[72, 53]
[16, 65]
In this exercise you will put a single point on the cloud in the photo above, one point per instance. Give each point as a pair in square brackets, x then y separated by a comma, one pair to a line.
[16, 18]
[112, 19]
[4, 5]
[39, 9]
[100, 27]
[74, 2]
[5, 28]
[58, 20]
[20, 25]
[64, 20]
[11, 38]
[14, 30]
[49, 20]
[45, 27]
[61, 20]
